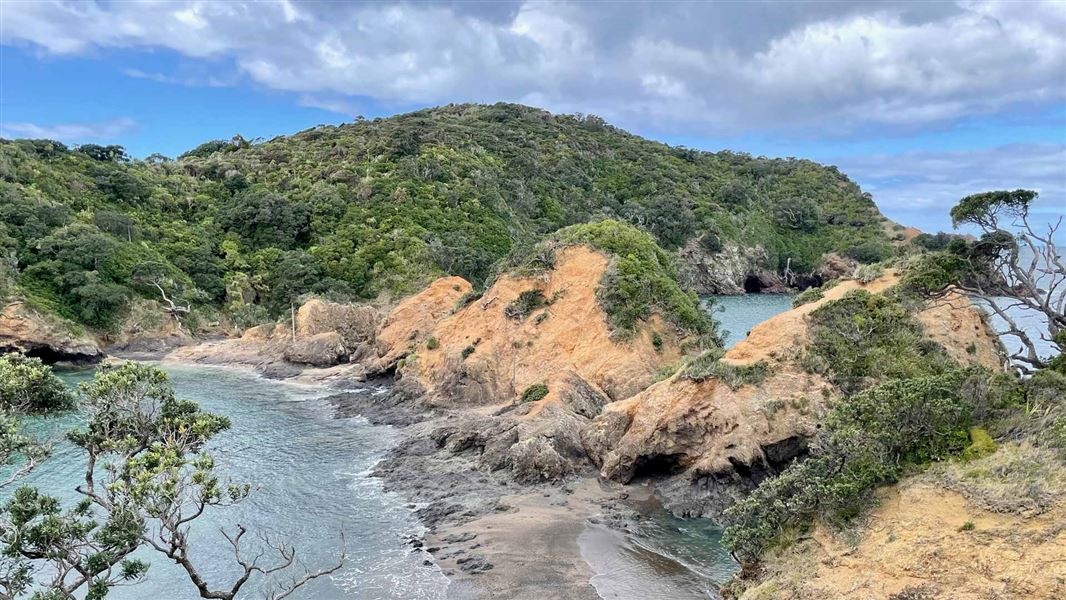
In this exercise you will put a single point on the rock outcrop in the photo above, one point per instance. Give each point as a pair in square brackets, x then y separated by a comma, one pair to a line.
[733, 270]
[25, 330]
[484, 354]
[323, 335]
[525, 380]
[708, 442]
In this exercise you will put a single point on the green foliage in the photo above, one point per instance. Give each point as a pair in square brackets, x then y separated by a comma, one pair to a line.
[868, 439]
[868, 273]
[871, 251]
[432, 343]
[986, 208]
[386, 205]
[657, 341]
[533, 393]
[864, 338]
[812, 294]
[640, 280]
[468, 351]
[524, 305]
[709, 365]
[981, 444]
[28, 385]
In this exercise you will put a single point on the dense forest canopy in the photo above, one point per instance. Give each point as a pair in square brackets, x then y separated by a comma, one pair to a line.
[383, 206]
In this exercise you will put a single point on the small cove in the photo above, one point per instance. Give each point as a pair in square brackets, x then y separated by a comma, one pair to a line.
[313, 476]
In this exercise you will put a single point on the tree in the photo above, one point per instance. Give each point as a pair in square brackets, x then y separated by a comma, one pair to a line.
[1009, 270]
[148, 478]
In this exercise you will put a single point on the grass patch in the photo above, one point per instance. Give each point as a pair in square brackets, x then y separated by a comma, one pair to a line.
[709, 365]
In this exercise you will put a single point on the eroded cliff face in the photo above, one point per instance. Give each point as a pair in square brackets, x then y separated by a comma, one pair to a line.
[731, 271]
[25, 330]
[924, 540]
[707, 442]
[485, 355]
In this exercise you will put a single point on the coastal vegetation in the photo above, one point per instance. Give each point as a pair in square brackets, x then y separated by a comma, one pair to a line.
[149, 474]
[241, 229]
[907, 406]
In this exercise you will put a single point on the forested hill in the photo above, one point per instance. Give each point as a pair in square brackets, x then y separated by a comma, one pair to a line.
[384, 206]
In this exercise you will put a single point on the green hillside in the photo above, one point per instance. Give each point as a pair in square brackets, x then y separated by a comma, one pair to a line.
[383, 206]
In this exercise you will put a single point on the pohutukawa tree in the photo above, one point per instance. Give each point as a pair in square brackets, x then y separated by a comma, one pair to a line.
[148, 478]
[1013, 265]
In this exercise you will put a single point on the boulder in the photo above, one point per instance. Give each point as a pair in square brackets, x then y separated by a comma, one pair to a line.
[320, 350]
[355, 324]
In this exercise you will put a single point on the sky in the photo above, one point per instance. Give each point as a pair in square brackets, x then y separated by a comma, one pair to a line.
[921, 103]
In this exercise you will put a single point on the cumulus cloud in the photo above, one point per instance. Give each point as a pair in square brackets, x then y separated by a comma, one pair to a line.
[919, 188]
[71, 132]
[678, 67]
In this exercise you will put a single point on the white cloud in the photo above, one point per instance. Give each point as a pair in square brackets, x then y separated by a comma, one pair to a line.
[691, 67]
[71, 132]
[919, 188]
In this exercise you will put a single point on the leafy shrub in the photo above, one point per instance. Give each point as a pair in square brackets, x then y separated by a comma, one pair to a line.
[868, 439]
[870, 252]
[867, 273]
[709, 365]
[657, 341]
[807, 296]
[524, 305]
[432, 343]
[863, 338]
[28, 385]
[468, 351]
[533, 393]
[641, 279]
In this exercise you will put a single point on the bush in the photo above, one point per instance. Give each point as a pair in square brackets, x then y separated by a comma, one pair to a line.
[432, 343]
[524, 305]
[807, 296]
[533, 393]
[868, 439]
[709, 365]
[28, 385]
[468, 351]
[867, 273]
[863, 338]
[870, 252]
[641, 279]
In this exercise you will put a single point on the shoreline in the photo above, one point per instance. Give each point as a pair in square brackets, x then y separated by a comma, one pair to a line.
[491, 536]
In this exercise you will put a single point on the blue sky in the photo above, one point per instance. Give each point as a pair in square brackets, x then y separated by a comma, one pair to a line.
[921, 103]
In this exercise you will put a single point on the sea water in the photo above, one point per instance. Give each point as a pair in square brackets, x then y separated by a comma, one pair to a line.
[311, 478]
[737, 315]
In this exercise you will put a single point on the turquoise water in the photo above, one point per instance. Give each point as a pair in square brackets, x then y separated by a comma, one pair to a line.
[660, 557]
[312, 472]
[738, 314]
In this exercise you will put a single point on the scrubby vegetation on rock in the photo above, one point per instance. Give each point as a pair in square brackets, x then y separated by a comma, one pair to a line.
[863, 338]
[868, 439]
